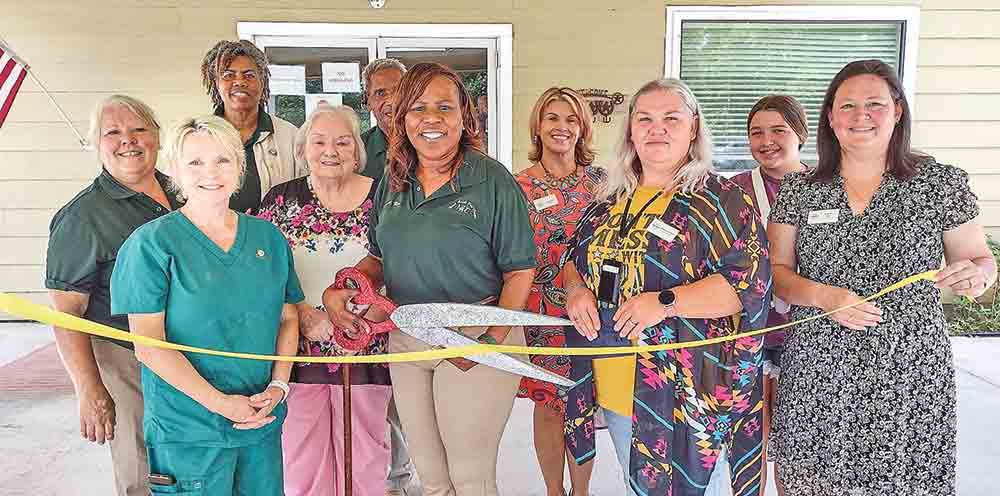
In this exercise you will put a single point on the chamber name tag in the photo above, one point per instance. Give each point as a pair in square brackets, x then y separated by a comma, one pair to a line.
[824, 216]
[546, 202]
[662, 230]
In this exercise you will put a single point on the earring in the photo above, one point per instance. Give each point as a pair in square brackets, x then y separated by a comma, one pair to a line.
[535, 140]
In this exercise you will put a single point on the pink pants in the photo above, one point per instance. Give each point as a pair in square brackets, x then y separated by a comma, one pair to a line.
[312, 440]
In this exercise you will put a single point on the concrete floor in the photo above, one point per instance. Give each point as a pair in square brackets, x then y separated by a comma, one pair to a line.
[43, 454]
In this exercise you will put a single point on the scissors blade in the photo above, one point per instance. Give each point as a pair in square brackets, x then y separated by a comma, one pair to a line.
[441, 336]
[464, 315]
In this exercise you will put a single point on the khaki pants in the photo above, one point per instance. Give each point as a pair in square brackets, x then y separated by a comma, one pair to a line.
[120, 373]
[453, 420]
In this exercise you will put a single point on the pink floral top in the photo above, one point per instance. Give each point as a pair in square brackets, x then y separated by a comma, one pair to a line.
[322, 243]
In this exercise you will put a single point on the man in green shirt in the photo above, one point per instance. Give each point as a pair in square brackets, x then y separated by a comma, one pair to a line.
[84, 238]
[381, 77]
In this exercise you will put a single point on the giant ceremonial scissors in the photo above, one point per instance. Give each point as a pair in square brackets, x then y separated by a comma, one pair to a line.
[433, 324]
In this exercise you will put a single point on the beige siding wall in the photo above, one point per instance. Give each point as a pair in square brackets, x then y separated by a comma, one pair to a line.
[83, 50]
[958, 94]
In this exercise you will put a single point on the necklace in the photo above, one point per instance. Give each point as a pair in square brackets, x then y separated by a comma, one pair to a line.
[563, 183]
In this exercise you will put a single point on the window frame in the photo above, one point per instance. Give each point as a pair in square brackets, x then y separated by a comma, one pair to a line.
[908, 16]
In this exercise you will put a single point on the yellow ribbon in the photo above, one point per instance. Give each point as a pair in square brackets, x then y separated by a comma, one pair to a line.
[23, 308]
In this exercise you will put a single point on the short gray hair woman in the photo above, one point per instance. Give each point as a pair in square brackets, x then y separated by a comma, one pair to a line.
[676, 255]
[325, 218]
[126, 139]
[138, 107]
[342, 112]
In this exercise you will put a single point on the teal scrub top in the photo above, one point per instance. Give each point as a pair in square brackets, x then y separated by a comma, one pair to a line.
[455, 245]
[214, 299]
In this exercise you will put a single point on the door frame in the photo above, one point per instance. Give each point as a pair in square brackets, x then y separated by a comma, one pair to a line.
[500, 94]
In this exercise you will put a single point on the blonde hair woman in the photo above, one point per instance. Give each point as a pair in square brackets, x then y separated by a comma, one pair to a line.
[210, 277]
[669, 252]
[559, 184]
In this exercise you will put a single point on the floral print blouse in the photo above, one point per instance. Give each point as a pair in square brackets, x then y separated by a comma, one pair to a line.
[322, 243]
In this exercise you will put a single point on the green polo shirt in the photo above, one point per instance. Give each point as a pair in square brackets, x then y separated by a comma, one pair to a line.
[247, 199]
[376, 145]
[225, 300]
[455, 245]
[84, 238]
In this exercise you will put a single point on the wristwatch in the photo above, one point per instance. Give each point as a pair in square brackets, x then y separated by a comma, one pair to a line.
[667, 299]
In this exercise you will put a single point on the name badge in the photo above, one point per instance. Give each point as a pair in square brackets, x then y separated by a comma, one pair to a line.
[662, 230]
[824, 216]
[546, 202]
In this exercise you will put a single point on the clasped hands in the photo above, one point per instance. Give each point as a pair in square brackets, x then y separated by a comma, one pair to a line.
[632, 317]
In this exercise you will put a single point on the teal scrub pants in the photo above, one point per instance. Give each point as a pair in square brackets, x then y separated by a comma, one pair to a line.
[253, 470]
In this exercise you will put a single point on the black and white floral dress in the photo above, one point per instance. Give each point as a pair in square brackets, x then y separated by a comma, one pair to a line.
[871, 412]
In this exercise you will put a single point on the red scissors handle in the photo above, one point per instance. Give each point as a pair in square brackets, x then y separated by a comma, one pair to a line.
[352, 278]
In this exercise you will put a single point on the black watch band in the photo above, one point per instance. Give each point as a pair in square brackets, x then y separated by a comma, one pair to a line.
[667, 297]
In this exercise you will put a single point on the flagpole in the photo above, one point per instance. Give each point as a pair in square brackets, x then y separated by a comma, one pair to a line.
[79, 137]
[27, 68]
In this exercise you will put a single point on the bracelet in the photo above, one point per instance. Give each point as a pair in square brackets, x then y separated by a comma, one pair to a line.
[487, 338]
[571, 287]
[283, 386]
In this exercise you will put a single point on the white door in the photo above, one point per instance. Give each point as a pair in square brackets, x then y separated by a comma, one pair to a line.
[480, 53]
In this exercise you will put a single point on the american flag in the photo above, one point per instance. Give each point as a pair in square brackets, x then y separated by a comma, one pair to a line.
[12, 73]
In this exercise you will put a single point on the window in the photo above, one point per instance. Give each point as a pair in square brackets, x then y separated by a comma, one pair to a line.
[732, 56]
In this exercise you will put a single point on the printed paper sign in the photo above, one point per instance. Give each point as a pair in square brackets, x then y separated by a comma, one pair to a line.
[312, 100]
[288, 79]
[341, 77]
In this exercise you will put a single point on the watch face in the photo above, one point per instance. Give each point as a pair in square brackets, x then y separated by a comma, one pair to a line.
[666, 297]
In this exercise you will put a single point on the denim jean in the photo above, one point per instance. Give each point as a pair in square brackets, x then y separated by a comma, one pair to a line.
[720, 483]
[620, 428]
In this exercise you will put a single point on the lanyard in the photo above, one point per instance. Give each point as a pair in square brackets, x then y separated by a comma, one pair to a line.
[627, 224]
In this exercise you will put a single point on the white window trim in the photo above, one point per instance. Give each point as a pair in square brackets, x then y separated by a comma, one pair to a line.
[504, 34]
[909, 15]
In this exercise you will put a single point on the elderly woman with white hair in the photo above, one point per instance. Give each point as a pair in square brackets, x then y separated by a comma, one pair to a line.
[668, 252]
[207, 276]
[325, 218]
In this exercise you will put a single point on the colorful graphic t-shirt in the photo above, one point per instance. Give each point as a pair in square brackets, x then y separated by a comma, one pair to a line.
[614, 377]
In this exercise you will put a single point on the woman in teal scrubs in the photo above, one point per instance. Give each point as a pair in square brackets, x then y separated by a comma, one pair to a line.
[210, 277]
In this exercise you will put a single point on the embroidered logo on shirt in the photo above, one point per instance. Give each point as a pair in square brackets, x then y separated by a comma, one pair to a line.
[260, 253]
[392, 203]
[466, 207]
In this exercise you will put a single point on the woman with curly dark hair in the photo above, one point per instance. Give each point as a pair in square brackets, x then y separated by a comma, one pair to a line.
[236, 77]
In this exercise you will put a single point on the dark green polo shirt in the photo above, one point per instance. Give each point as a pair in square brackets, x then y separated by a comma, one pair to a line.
[376, 145]
[247, 199]
[455, 245]
[84, 238]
